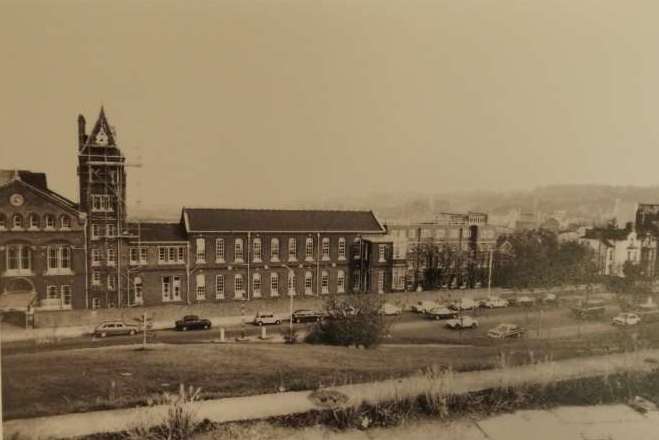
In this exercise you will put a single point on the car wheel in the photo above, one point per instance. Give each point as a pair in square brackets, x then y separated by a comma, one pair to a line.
[277, 322]
[185, 329]
[206, 327]
[260, 323]
[474, 325]
[103, 334]
[296, 321]
[132, 332]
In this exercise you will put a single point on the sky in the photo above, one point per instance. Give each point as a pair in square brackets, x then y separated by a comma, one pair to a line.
[258, 103]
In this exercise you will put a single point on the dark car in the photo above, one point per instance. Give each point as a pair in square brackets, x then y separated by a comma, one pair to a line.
[115, 328]
[192, 322]
[305, 315]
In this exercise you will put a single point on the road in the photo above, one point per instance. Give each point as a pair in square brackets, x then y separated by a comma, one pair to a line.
[549, 322]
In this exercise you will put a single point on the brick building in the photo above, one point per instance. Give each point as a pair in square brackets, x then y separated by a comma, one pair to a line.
[57, 254]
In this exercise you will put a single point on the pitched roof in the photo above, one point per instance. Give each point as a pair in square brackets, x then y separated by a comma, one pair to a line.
[35, 179]
[266, 220]
[160, 232]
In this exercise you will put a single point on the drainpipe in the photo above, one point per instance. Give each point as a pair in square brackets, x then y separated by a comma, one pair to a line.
[84, 234]
[249, 256]
[318, 266]
[187, 274]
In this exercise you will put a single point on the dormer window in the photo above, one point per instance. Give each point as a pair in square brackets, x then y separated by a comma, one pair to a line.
[34, 221]
[49, 221]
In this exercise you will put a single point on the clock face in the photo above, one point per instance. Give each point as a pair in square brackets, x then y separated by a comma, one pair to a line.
[16, 199]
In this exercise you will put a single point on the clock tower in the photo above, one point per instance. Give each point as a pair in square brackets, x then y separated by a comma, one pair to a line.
[102, 185]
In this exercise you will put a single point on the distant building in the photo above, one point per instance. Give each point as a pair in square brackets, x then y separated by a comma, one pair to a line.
[614, 247]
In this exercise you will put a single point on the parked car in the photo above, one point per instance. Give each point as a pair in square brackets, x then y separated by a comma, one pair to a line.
[388, 309]
[525, 300]
[264, 318]
[462, 322]
[423, 306]
[115, 328]
[494, 302]
[442, 312]
[589, 312]
[505, 330]
[306, 315]
[192, 322]
[550, 299]
[626, 319]
[464, 304]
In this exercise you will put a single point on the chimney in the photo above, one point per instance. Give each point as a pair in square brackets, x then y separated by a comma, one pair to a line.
[82, 136]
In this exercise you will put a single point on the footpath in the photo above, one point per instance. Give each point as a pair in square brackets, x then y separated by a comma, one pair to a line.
[286, 403]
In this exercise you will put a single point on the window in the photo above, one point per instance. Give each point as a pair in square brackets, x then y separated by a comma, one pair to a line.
[138, 255]
[111, 230]
[166, 288]
[65, 222]
[308, 283]
[219, 250]
[292, 249]
[19, 259]
[112, 282]
[96, 278]
[308, 249]
[49, 221]
[219, 286]
[342, 248]
[274, 284]
[239, 288]
[96, 303]
[138, 296]
[381, 281]
[340, 282]
[324, 282]
[274, 249]
[326, 249]
[382, 253]
[52, 292]
[356, 280]
[256, 285]
[66, 296]
[101, 203]
[170, 255]
[3, 222]
[238, 250]
[256, 249]
[200, 246]
[34, 221]
[426, 233]
[112, 256]
[17, 221]
[399, 279]
[291, 283]
[176, 288]
[96, 231]
[97, 259]
[201, 286]
[440, 233]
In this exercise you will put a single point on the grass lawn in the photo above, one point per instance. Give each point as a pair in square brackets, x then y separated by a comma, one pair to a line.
[58, 382]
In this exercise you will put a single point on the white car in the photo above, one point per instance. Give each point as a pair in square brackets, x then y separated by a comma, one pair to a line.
[494, 302]
[626, 319]
[525, 300]
[388, 309]
[464, 304]
[264, 318]
[424, 306]
[462, 322]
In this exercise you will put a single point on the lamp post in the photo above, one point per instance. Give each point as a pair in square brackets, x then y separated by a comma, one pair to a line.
[290, 301]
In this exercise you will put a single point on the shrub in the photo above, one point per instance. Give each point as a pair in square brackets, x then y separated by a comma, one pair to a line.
[355, 321]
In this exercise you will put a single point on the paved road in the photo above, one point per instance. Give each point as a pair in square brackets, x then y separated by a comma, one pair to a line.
[552, 322]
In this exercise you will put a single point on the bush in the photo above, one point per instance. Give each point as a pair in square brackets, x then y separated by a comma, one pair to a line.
[356, 321]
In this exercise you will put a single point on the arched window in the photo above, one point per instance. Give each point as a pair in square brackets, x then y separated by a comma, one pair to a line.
[274, 249]
[342, 248]
[238, 287]
[291, 283]
[3, 222]
[326, 249]
[292, 249]
[274, 284]
[308, 283]
[17, 221]
[324, 282]
[340, 282]
[65, 222]
[256, 249]
[256, 285]
[49, 221]
[238, 249]
[34, 221]
[308, 249]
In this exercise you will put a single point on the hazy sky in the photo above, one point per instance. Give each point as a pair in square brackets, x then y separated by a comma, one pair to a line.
[256, 103]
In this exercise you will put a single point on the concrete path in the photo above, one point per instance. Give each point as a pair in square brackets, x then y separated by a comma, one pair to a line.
[268, 405]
